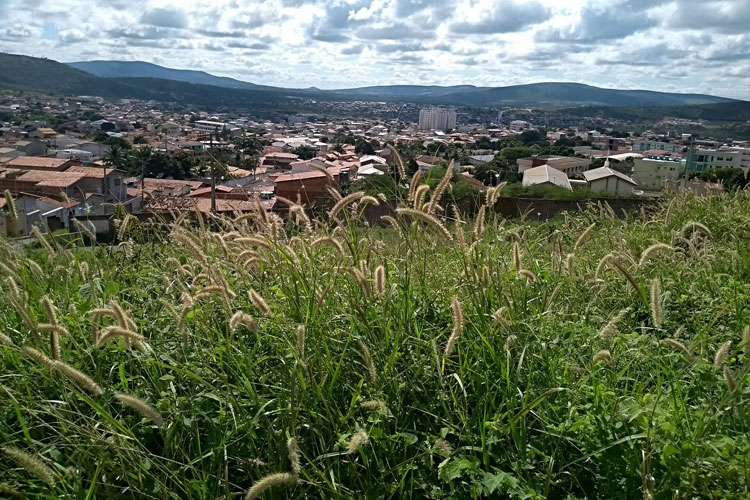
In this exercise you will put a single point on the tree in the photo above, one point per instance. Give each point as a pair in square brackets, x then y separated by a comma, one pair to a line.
[139, 139]
[362, 147]
[306, 152]
[116, 158]
[108, 127]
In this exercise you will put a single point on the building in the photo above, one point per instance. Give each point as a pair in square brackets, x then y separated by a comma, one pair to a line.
[567, 164]
[744, 155]
[76, 154]
[519, 126]
[648, 145]
[604, 179]
[704, 159]
[652, 174]
[308, 186]
[546, 175]
[41, 163]
[437, 119]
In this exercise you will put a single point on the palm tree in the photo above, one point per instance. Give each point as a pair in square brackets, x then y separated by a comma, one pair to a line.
[116, 158]
[140, 157]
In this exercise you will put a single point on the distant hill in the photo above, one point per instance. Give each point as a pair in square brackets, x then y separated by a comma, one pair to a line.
[139, 69]
[45, 75]
[561, 94]
[737, 111]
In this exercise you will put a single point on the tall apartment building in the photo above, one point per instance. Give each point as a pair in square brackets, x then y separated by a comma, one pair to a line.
[437, 119]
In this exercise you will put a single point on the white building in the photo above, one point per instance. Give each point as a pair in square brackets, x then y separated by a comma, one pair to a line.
[744, 155]
[437, 119]
[648, 145]
[606, 180]
[704, 159]
[519, 125]
[652, 174]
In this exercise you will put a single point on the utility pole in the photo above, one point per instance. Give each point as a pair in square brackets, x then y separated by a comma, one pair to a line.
[213, 173]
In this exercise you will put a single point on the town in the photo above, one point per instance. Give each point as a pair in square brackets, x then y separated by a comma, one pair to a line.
[83, 156]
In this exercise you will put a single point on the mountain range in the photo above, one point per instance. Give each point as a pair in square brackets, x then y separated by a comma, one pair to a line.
[537, 94]
[139, 80]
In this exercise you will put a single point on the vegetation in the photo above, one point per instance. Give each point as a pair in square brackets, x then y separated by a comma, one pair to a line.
[585, 357]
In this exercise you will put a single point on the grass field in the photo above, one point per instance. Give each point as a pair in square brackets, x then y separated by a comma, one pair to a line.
[585, 357]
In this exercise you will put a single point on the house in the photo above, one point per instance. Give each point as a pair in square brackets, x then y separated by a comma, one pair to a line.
[374, 161]
[9, 153]
[31, 148]
[546, 175]
[41, 163]
[477, 160]
[279, 160]
[166, 187]
[426, 162]
[567, 164]
[98, 180]
[309, 186]
[76, 154]
[604, 179]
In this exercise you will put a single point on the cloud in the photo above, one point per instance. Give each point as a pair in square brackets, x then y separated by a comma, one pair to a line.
[600, 22]
[505, 17]
[697, 45]
[73, 35]
[165, 17]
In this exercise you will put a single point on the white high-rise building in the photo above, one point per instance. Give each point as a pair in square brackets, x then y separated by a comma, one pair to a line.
[437, 119]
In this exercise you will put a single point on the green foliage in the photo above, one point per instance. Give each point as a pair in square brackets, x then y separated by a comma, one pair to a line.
[306, 152]
[552, 192]
[519, 410]
[732, 178]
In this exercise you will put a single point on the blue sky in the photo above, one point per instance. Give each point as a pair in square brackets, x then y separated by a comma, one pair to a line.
[676, 45]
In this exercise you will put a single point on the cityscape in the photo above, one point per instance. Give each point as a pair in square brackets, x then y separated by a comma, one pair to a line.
[375, 249]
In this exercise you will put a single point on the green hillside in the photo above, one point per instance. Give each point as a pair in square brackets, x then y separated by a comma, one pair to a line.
[585, 357]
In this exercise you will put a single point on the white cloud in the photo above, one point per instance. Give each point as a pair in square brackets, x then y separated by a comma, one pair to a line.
[689, 45]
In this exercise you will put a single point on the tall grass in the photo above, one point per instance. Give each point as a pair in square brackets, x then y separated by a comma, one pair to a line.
[258, 357]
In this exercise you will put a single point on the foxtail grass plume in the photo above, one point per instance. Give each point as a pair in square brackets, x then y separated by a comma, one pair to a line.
[427, 218]
[440, 189]
[399, 162]
[5, 340]
[293, 451]
[244, 319]
[721, 354]
[344, 202]
[301, 333]
[38, 357]
[369, 360]
[729, 380]
[375, 406]
[391, 221]
[270, 481]
[628, 276]
[656, 311]
[603, 355]
[611, 330]
[479, 223]
[652, 250]
[679, 346]
[499, 317]
[528, 274]
[692, 227]
[413, 184]
[419, 193]
[509, 343]
[78, 377]
[129, 337]
[359, 439]
[380, 280]
[332, 242]
[517, 258]
[31, 464]
[746, 340]
[458, 326]
[260, 303]
[10, 203]
[443, 447]
[141, 407]
[581, 238]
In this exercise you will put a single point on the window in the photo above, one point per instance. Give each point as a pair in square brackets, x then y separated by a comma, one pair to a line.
[117, 181]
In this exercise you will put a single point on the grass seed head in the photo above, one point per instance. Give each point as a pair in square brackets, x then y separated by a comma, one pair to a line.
[359, 439]
[38, 357]
[729, 380]
[260, 303]
[581, 238]
[653, 249]
[301, 340]
[444, 447]
[603, 355]
[721, 354]
[679, 346]
[31, 464]
[270, 481]
[746, 340]
[293, 449]
[458, 326]
[80, 378]
[656, 311]
[375, 406]
[141, 407]
[244, 319]
[369, 360]
[380, 280]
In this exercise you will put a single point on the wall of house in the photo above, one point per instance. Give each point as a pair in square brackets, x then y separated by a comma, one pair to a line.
[611, 184]
[651, 175]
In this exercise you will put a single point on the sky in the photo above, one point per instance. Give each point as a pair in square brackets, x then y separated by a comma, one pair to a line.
[700, 46]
